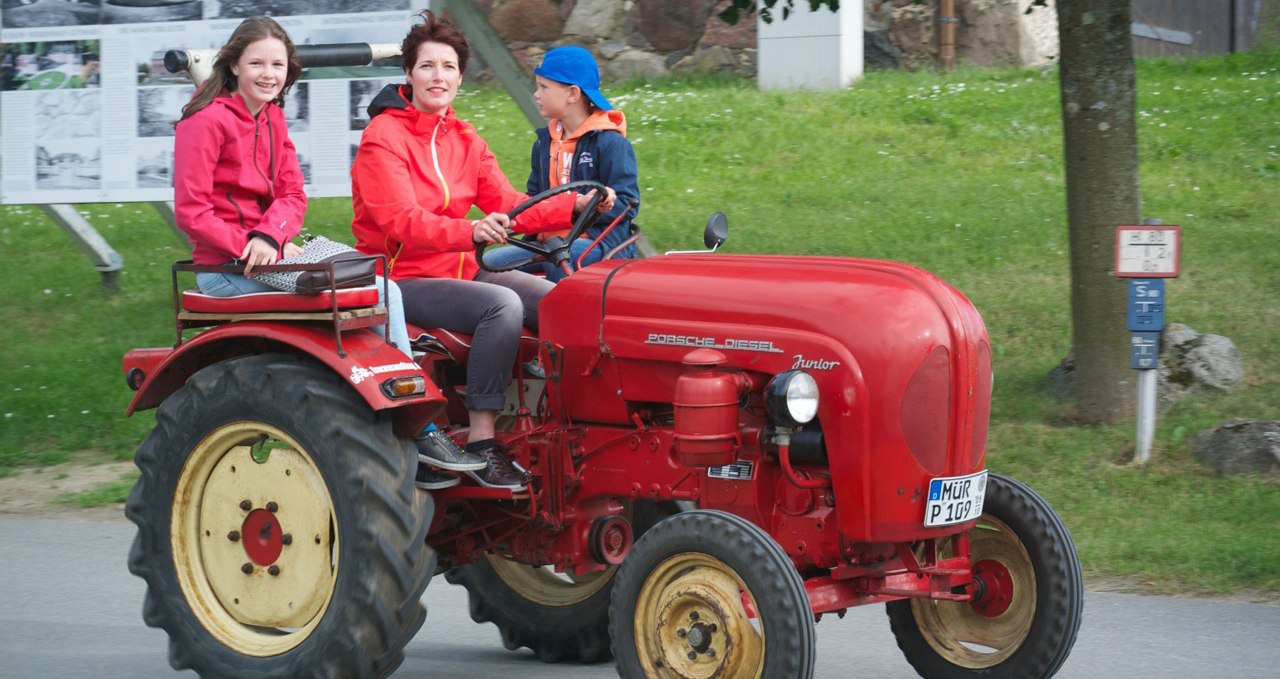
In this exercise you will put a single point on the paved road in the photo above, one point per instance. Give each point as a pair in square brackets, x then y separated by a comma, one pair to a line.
[70, 609]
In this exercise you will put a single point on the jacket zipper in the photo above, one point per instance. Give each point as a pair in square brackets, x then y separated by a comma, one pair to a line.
[239, 212]
[435, 163]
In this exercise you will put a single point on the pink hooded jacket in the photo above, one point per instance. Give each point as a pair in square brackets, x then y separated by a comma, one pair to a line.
[235, 176]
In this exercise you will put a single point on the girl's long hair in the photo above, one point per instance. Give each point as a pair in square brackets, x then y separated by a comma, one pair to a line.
[222, 80]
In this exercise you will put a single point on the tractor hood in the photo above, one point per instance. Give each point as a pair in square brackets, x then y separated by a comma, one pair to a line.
[901, 358]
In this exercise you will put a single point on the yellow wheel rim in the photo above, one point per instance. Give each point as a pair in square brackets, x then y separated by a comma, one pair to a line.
[543, 585]
[254, 538]
[961, 635]
[691, 622]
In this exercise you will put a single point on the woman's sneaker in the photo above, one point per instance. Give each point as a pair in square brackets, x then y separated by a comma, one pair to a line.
[431, 479]
[438, 450]
[500, 471]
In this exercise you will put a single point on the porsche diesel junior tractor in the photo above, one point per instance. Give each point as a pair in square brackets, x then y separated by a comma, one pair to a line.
[720, 450]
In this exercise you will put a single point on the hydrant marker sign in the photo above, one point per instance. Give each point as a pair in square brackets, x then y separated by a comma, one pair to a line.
[87, 107]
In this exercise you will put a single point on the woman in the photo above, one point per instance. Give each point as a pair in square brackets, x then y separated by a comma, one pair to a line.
[417, 173]
[237, 186]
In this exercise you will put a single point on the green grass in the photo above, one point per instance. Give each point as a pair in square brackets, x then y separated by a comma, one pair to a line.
[960, 173]
[108, 493]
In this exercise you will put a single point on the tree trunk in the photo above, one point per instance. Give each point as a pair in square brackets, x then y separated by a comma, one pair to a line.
[1100, 138]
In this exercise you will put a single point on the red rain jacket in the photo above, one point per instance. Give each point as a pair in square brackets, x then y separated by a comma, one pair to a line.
[415, 177]
[235, 176]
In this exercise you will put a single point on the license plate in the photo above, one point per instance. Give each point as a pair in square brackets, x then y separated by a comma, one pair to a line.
[955, 499]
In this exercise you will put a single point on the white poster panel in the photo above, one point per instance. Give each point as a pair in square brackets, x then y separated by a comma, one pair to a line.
[87, 108]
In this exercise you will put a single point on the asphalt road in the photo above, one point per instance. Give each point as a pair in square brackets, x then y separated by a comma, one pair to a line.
[70, 609]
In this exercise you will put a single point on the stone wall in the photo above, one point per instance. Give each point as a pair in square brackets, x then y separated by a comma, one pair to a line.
[647, 38]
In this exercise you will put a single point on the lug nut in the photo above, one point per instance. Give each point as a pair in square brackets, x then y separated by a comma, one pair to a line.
[681, 632]
[233, 535]
[247, 568]
[712, 627]
[246, 505]
[693, 655]
[272, 507]
[286, 539]
[273, 569]
[693, 615]
[711, 652]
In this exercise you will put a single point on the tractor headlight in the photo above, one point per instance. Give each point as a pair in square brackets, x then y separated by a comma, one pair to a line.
[792, 397]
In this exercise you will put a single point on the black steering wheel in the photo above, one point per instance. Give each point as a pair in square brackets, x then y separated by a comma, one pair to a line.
[554, 249]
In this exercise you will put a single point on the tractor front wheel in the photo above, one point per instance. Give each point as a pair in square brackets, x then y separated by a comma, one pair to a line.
[709, 594]
[279, 530]
[1028, 597]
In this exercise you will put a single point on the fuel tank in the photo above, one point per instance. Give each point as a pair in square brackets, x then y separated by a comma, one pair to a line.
[901, 358]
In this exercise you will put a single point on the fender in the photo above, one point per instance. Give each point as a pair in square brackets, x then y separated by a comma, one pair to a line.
[370, 361]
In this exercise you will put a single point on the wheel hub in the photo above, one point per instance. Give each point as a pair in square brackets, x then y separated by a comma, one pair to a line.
[263, 537]
[994, 588]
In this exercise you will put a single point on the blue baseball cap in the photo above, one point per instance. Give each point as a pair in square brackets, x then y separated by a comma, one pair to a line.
[574, 65]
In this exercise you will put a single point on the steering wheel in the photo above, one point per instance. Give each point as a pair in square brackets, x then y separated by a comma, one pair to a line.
[554, 249]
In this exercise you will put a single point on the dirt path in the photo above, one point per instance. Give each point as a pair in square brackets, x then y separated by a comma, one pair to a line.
[34, 492]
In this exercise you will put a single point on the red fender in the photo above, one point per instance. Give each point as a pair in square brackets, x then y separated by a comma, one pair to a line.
[369, 362]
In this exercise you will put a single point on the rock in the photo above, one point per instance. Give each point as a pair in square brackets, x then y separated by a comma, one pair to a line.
[1239, 447]
[1061, 381]
[597, 18]
[1200, 361]
[526, 20]
[741, 35]
[879, 52]
[707, 60]
[673, 24]
[634, 64]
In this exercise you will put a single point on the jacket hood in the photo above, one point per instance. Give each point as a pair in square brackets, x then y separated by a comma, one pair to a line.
[389, 98]
[598, 120]
[235, 105]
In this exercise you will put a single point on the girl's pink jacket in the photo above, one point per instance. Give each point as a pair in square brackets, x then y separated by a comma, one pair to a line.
[235, 176]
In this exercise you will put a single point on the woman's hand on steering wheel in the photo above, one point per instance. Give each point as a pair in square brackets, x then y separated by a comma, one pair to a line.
[491, 229]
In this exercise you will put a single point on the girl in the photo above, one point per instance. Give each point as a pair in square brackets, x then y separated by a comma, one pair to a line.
[237, 185]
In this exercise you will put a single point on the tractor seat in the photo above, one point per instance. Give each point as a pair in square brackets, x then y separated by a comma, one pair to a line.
[195, 301]
[457, 345]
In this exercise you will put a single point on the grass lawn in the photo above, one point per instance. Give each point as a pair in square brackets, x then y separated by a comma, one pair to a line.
[960, 173]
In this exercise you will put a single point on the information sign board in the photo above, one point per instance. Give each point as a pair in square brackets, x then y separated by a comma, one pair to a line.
[1144, 350]
[1146, 304]
[1148, 251]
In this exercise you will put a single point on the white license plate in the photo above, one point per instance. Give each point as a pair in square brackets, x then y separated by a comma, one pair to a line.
[955, 499]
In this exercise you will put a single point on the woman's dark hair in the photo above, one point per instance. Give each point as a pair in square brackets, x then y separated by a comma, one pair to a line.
[222, 80]
[433, 29]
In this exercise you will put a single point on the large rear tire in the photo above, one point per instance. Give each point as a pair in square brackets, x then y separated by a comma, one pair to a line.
[1025, 620]
[279, 530]
[709, 594]
[561, 618]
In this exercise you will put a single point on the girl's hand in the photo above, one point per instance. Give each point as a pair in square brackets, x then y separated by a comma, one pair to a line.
[257, 251]
[491, 229]
[291, 250]
[605, 204]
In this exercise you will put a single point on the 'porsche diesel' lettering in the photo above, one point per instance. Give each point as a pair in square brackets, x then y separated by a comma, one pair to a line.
[765, 346]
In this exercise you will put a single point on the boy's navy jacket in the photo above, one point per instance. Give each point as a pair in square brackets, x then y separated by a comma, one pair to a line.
[602, 155]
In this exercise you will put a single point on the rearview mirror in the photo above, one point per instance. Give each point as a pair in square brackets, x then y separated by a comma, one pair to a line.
[717, 231]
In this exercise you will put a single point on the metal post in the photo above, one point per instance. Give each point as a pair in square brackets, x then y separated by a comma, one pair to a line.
[105, 259]
[165, 210]
[1146, 413]
[491, 48]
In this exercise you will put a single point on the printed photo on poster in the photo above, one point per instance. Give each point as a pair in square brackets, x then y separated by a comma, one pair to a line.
[36, 13]
[362, 94]
[297, 108]
[155, 163]
[61, 114]
[68, 164]
[150, 11]
[67, 65]
[159, 108]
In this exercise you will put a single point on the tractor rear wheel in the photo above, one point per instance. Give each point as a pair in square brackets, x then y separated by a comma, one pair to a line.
[279, 530]
[1027, 609]
[560, 617]
[709, 594]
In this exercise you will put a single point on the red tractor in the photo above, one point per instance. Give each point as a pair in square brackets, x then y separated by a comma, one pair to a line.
[821, 422]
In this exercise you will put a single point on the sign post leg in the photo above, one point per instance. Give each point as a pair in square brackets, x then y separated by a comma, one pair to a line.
[1146, 413]
[105, 259]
